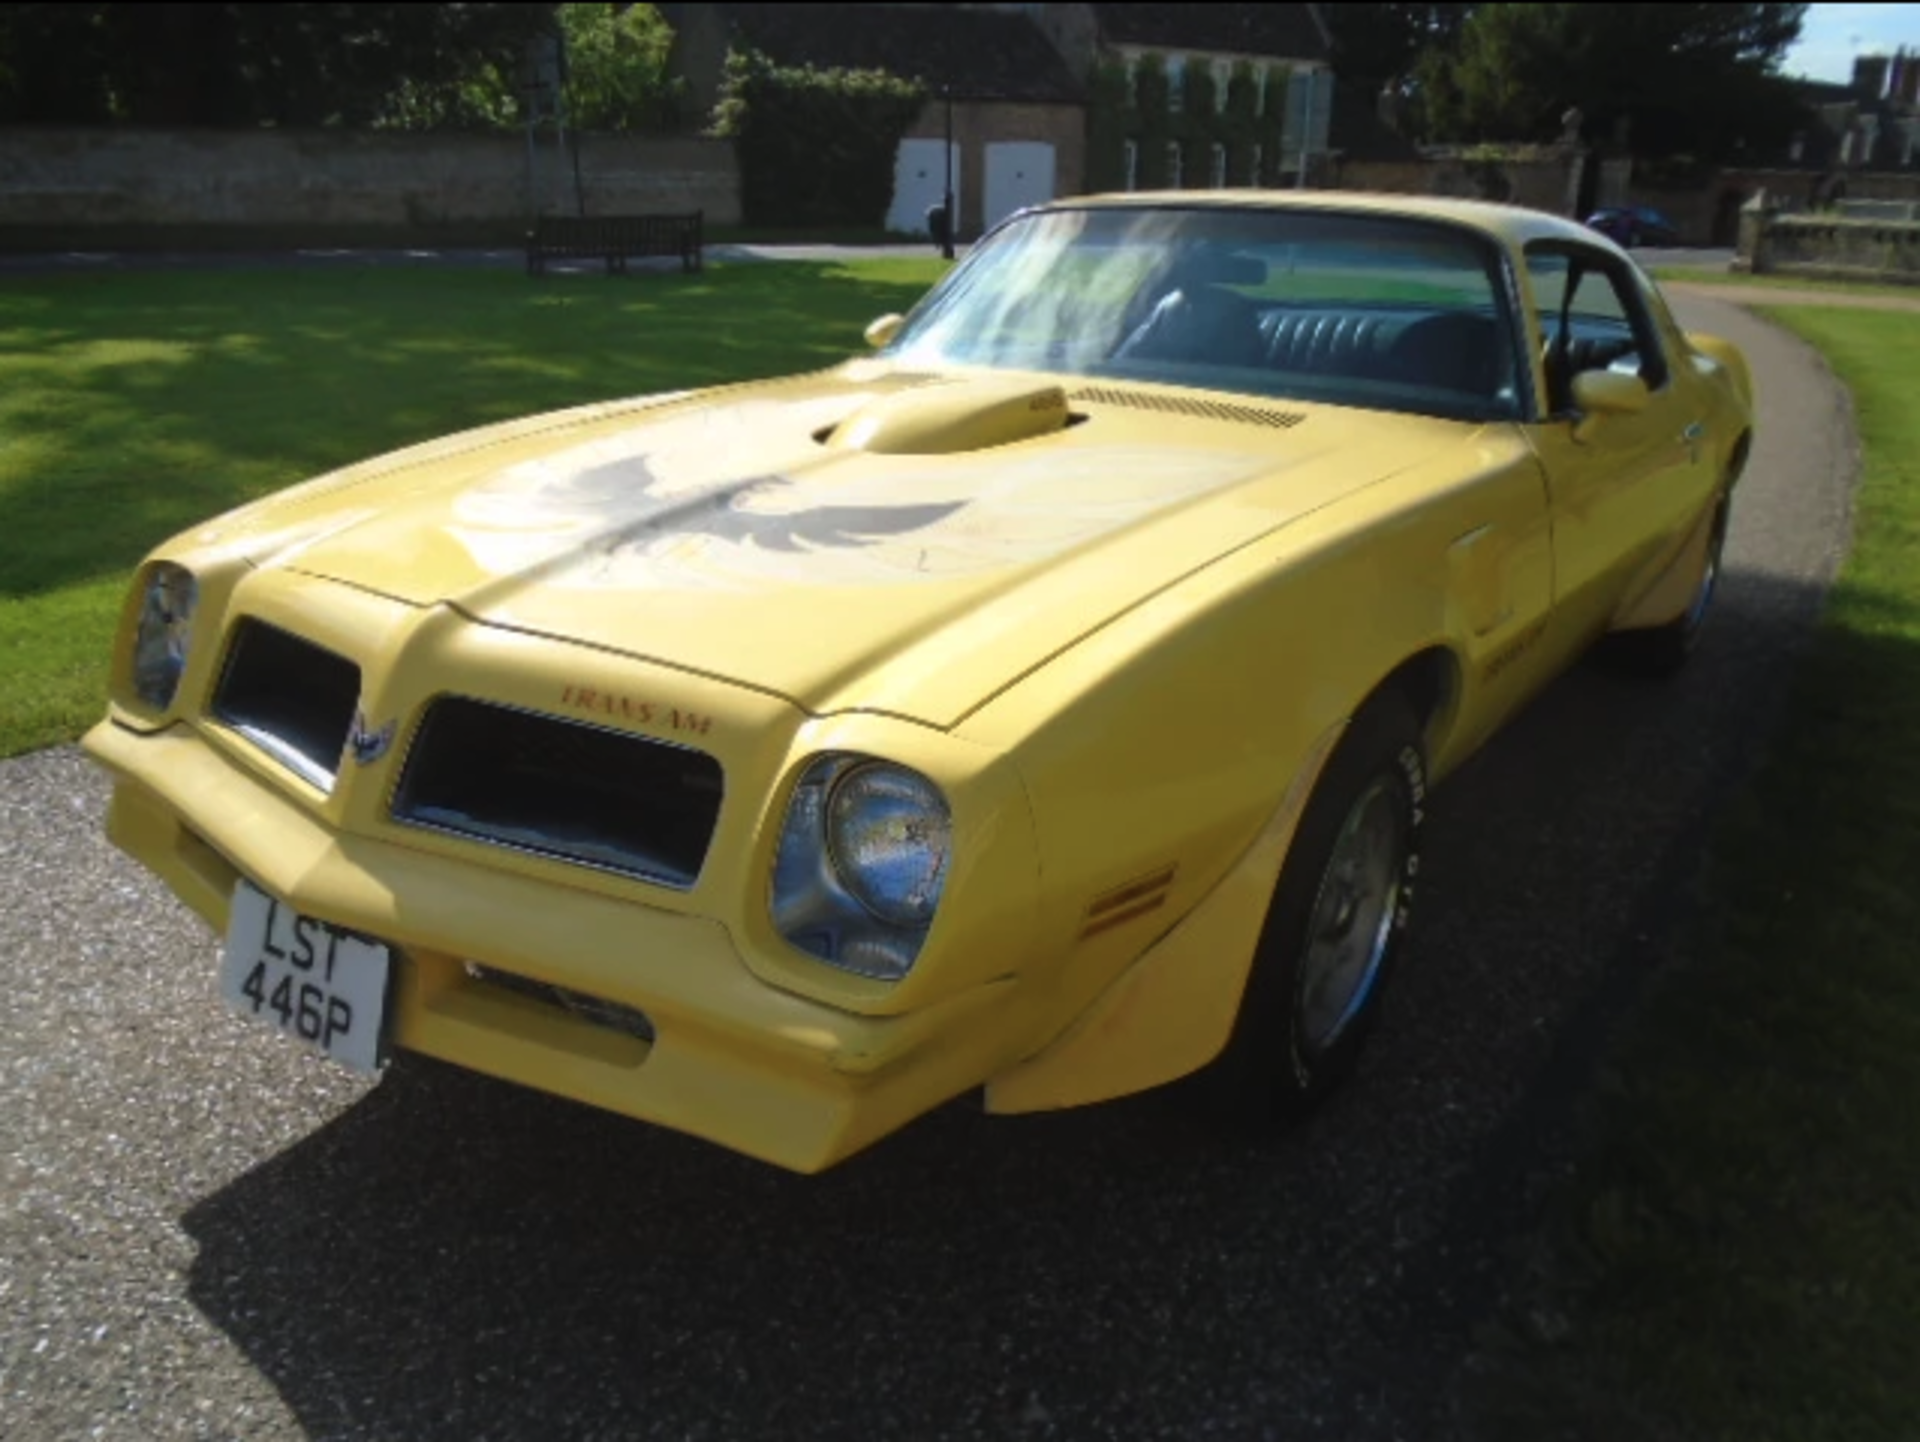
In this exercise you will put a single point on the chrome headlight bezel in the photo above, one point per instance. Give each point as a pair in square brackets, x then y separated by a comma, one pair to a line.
[840, 909]
[162, 634]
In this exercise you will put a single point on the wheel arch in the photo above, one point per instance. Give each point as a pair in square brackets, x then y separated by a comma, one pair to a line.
[1666, 594]
[1173, 1010]
[1430, 681]
[1737, 457]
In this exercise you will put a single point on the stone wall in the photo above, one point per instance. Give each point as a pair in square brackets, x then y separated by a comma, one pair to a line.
[1797, 191]
[1879, 209]
[1827, 245]
[1544, 182]
[1794, 190]
[1706, 210]
[74, 187]
[1388, 177]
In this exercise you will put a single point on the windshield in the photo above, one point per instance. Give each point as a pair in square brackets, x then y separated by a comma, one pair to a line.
[1364, 310]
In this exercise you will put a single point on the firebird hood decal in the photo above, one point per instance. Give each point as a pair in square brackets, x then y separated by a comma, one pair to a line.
[727, 539]
[645, 510]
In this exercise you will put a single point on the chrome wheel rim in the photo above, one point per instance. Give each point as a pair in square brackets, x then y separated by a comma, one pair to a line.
[1353, 916]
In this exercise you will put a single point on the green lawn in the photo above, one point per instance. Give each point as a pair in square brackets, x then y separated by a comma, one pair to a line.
[133, 405]
[1739, 1256]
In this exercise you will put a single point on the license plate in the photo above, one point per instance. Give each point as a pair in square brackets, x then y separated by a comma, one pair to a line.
[312, 980]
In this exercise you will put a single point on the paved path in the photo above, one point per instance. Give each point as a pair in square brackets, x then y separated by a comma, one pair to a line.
[205, 1233]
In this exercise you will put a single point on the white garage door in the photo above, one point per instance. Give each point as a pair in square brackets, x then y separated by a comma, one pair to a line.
[919, 180]
[1019, 173]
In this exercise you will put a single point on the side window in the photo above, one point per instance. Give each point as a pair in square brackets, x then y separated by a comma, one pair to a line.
[1592, 317]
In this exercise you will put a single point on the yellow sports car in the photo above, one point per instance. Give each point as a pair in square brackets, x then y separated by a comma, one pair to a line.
[1041, 706]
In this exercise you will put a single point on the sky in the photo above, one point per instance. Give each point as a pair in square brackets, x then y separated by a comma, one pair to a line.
[1833, 34]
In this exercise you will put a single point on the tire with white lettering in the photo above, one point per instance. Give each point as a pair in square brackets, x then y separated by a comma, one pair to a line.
[1664, 650]
[1334, 926]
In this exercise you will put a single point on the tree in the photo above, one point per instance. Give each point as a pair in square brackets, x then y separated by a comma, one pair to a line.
[1662, 80]
[815, 147]
[52, 64]
[414, 67]
[164, 62]
[1378, 43]
[617, 76]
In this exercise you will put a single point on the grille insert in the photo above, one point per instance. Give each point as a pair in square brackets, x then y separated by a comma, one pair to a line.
[562, 788]
[1187, 406]
[610, 1014]
[291, 698]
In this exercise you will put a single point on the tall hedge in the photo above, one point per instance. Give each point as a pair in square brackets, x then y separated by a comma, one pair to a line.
[1271, 130]
[1108, 115]
[1152, 125]
[815, 147]
[1196, 125]
[1139, 111]
[1241, 124]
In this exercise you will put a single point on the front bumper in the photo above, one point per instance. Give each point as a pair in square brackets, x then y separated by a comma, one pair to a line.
[733, 1059]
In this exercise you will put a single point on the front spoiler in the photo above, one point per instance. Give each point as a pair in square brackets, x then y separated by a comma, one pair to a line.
[733, 1060]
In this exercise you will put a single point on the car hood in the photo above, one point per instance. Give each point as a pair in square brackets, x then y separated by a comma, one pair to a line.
[860, 539]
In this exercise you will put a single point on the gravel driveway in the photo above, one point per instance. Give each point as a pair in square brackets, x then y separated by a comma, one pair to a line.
[203, 1232]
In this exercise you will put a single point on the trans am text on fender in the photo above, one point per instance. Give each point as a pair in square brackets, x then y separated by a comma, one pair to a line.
[1042, 706]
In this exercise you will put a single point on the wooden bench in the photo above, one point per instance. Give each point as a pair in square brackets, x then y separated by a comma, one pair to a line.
[614, 239]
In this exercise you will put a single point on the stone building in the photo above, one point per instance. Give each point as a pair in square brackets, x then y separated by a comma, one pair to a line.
[1009, 81]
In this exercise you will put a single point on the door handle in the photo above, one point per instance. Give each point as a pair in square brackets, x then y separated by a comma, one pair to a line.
[1693, 433]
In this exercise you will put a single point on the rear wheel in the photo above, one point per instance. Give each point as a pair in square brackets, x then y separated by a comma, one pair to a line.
[1334, 925]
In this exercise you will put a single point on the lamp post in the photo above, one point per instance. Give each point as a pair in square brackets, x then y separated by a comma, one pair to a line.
[1306, 132]
[946, 231]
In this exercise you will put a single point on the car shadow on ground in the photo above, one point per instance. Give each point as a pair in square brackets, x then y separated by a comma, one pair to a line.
[454, 1257]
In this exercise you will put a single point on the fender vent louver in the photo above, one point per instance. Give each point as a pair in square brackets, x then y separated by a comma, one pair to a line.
[1183, 406]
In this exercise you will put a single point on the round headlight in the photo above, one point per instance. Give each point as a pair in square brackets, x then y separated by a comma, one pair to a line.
[890, 836]
[165, 629]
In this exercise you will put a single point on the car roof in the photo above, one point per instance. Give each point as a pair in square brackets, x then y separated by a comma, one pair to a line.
[1512, 225]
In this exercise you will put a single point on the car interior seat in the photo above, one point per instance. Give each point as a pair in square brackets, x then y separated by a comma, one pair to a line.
[1197, 317]
[1455, 351]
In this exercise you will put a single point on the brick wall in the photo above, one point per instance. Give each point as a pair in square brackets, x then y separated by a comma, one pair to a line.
[73, 186]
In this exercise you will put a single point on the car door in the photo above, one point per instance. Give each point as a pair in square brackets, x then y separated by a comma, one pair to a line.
[1622, 487]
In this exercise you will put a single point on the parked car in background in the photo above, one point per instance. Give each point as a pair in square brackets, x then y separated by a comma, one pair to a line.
[1042, 707]
[1634, 225]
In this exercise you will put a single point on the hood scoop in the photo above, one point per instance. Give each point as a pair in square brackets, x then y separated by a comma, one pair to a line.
[948, 417]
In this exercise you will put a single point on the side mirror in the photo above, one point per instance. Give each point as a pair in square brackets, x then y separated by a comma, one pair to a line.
[1600, 394]
[884, 330]
[1609, 393]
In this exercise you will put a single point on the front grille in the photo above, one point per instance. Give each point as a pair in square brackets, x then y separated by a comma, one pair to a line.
[596, 1009]
[291, 698]
[561, 788]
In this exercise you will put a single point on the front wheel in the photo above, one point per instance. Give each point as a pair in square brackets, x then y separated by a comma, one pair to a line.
[1664, 650]
[1334, 925]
